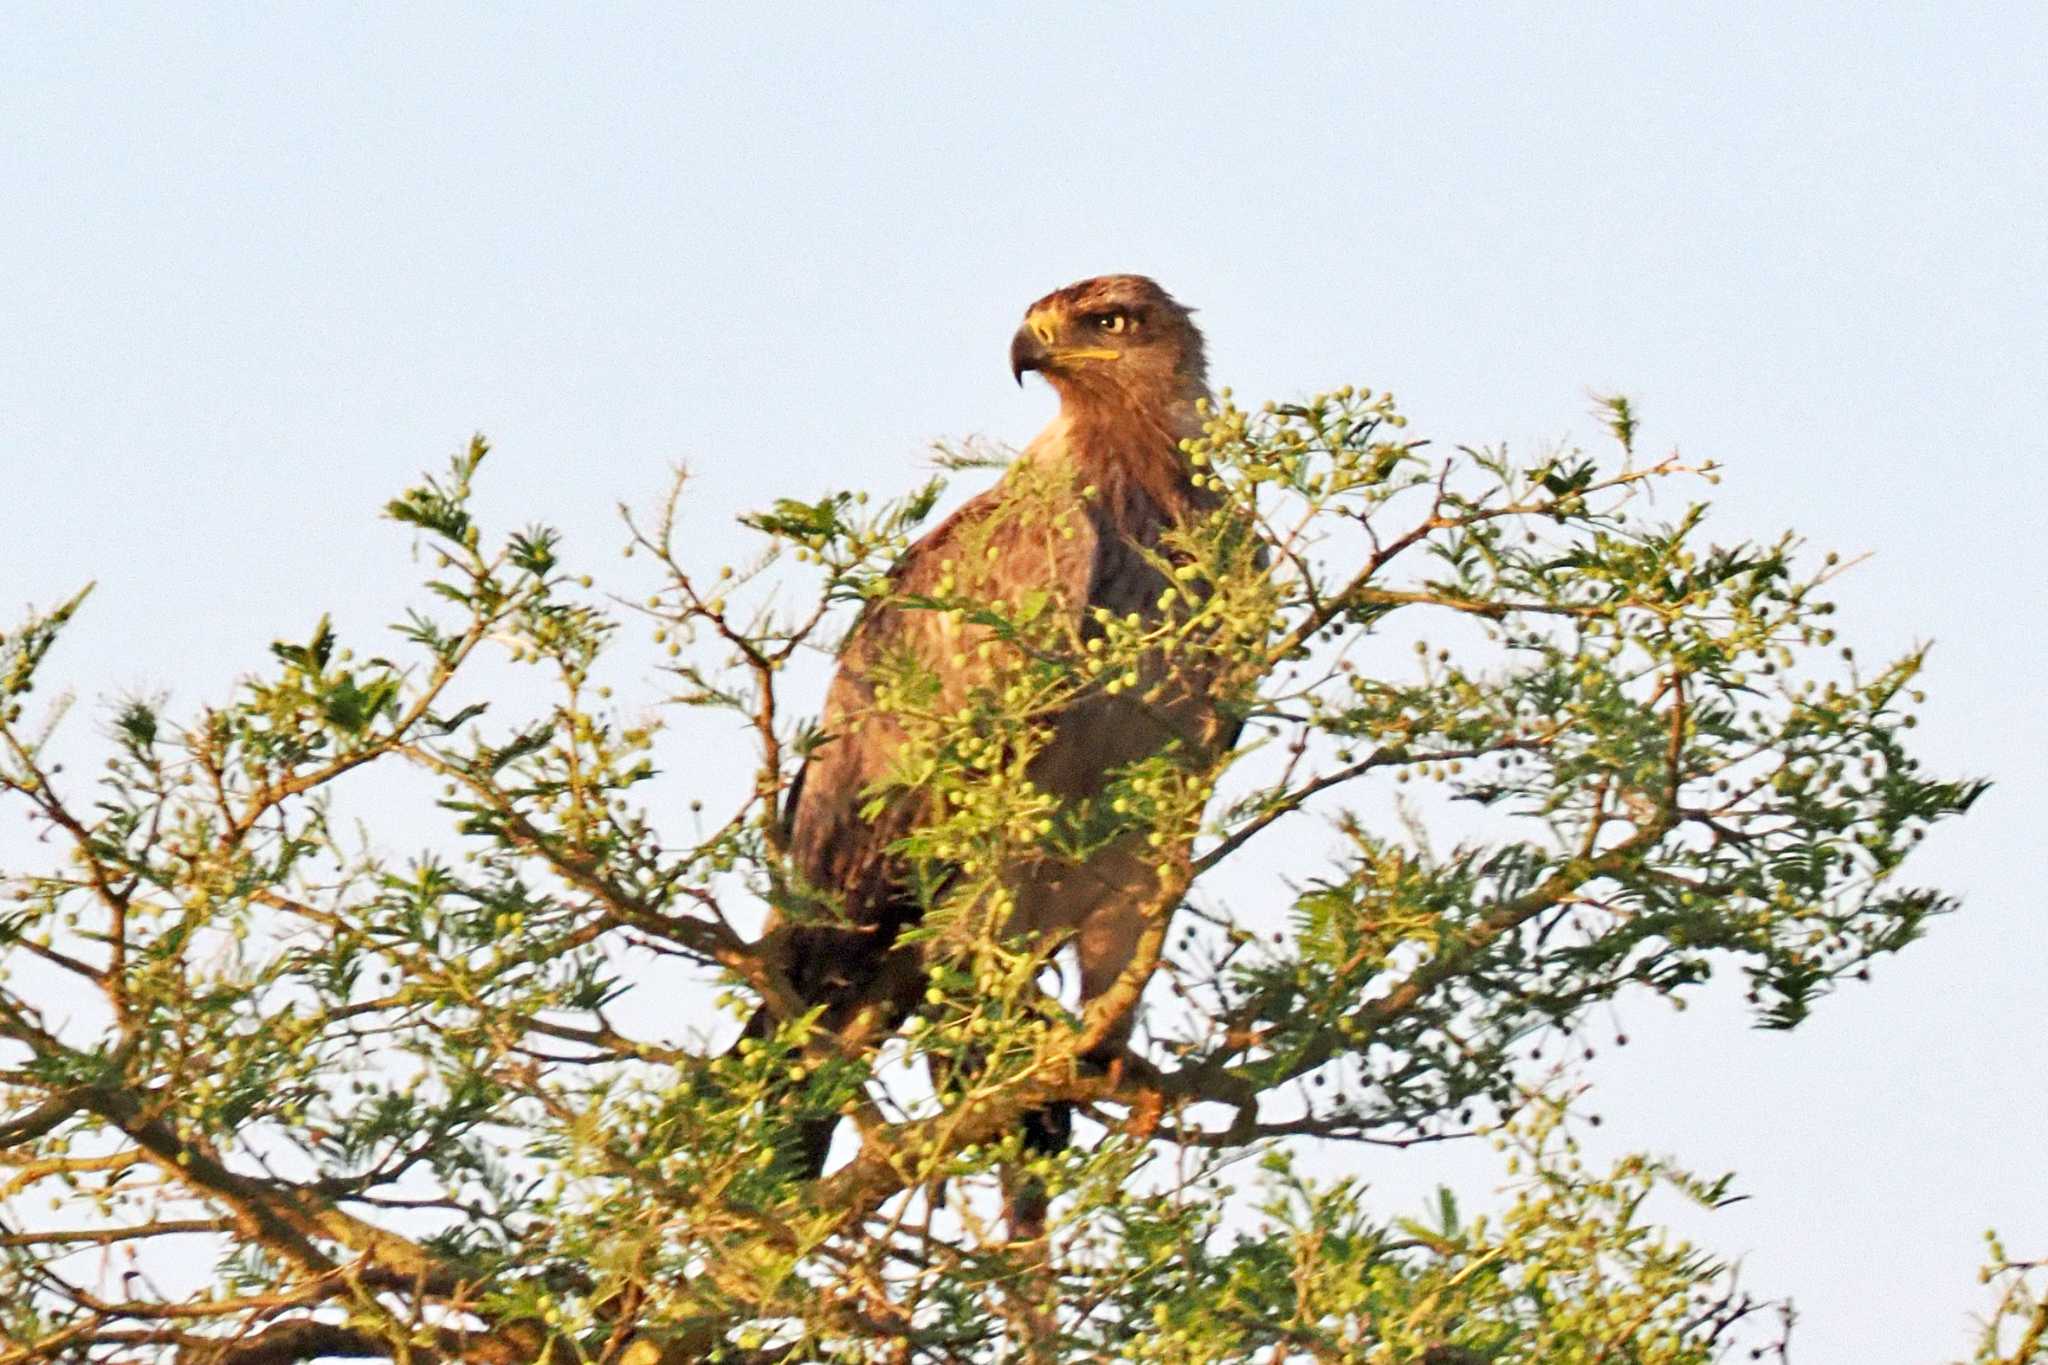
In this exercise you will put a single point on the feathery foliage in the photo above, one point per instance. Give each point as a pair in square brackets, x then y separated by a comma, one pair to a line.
[1520, 741]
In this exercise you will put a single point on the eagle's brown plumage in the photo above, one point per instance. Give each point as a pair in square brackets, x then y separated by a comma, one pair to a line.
[1128, 364]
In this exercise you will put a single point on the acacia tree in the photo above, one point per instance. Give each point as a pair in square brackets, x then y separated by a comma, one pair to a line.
[279, 1085]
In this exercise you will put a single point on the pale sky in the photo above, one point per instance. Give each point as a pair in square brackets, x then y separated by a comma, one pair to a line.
[259, 267]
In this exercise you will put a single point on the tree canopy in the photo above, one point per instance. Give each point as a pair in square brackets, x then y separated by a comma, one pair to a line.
[283, 1078]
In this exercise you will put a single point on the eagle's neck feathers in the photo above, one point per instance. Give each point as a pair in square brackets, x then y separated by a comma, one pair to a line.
[1125, 448]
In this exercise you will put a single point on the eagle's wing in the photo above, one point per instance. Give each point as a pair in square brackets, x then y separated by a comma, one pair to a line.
[840, 838]
[1034, 533]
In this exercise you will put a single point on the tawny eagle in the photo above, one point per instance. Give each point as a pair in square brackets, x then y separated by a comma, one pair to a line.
[1127, 362]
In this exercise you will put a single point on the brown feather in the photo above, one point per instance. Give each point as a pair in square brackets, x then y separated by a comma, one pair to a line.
[1118, 433]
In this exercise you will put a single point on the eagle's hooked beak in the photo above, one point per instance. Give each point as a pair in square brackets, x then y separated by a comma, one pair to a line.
[1027, 352]
[1032, 349]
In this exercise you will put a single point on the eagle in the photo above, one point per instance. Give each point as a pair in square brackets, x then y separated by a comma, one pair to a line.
[1128, 364]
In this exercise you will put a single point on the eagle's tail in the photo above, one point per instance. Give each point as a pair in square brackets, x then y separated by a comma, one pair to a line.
[851, 975]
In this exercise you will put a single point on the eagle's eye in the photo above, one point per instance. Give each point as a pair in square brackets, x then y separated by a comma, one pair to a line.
[1112, 323]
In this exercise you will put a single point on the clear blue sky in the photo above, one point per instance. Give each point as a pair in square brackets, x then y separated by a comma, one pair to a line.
[259, 266]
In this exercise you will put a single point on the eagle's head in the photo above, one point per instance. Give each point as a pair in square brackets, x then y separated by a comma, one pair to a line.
[1115, 339]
